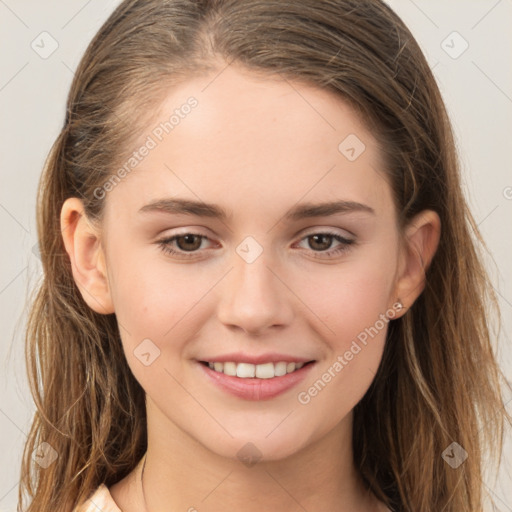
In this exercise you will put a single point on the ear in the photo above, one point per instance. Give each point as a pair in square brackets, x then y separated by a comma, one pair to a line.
[83, 245]
[421, 240]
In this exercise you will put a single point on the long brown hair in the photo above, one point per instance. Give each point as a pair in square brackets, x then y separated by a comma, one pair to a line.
[438, 382]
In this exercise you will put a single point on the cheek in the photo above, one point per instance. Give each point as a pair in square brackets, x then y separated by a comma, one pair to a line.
[354, 308]
[352, 300]
[154, 298]
[351, 296]
[156, 306]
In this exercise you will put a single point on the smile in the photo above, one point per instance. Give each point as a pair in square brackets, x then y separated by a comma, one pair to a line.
[258, 371]
[249, 381]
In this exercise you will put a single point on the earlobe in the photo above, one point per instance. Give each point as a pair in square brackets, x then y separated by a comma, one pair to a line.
[422, 237]
[83, 245]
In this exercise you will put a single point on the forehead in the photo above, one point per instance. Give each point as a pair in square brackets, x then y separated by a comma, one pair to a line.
[244, 141]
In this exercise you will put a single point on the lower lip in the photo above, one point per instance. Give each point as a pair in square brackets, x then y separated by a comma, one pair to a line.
[256, 389]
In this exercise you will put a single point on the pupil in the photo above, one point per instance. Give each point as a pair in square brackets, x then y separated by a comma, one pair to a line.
[321, 236]
[189, 240]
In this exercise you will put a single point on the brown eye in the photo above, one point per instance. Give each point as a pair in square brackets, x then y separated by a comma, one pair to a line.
[187, 245]
[189, 242]
[320, 241]
[321, 244]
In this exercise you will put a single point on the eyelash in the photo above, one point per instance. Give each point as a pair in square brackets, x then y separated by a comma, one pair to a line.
[345, 244]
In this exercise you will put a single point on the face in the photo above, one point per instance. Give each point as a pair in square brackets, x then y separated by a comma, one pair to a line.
[273, 281]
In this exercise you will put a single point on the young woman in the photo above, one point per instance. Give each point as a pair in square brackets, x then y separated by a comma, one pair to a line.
[261, 288]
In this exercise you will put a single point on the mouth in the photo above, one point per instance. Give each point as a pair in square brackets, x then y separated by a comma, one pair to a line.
[255, 381]
[268, 370]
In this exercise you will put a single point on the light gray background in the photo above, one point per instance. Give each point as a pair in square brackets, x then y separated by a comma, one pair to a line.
[477, 87]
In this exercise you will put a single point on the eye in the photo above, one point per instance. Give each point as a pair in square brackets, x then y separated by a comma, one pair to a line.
[185, 242]
[322, 241]
[185, 245]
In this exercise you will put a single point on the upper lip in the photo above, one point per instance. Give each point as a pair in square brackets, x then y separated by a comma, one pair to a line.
[240, 357]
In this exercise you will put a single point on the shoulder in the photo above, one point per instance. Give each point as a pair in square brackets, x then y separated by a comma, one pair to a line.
[101, 499]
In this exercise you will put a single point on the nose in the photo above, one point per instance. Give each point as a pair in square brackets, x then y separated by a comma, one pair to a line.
[253, 298]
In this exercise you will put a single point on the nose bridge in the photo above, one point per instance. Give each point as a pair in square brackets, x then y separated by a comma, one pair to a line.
[252, 297]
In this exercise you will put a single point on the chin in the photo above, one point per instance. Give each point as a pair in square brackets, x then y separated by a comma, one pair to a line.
[250, 449]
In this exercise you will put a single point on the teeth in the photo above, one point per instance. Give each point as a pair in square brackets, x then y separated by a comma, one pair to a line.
[229, 369]
[280, 369]
[245, 370]
[260, 371]
[265, 371]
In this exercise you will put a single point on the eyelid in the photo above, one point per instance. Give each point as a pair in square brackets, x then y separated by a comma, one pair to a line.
[344, 242]
[174, 236]
[185, 230]
[327, 230]
[301, 234]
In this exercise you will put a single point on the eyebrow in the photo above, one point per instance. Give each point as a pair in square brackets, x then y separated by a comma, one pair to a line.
[298, 212]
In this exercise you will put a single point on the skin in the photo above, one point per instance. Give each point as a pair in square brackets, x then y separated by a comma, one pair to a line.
[257, 147]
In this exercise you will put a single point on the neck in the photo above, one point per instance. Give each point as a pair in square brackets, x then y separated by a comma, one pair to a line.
[178, 473]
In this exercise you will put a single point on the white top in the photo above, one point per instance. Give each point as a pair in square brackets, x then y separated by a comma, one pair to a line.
[101, 499]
